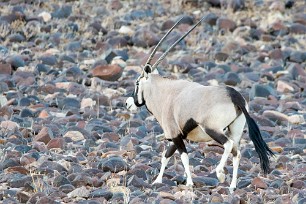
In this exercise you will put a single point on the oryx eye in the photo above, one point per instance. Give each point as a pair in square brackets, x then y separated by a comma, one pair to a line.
[137, 83]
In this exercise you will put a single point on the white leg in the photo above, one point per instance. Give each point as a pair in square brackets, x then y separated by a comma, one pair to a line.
[227, 150]
[185, 161]
[236, 130]
[236, 160]
[164, 162]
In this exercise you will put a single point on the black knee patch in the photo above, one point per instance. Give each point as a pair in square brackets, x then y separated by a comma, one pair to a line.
[234, 152]
[179, 144]
[170, 151]
[218, 137]
[190, 125]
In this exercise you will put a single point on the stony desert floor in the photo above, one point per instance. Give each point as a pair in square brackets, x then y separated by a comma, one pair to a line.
[67, 67]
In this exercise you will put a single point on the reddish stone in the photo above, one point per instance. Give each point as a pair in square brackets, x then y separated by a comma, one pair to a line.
[167, 25]
[48, 88]
[276, 54]
[5, 69]
[81, 124]
[111, 136]
[297, 28]
[56, 143]
[40, 146]
[2, 141]
[6, 111]
[144, 37]
[278, 25]
[298, 184]
[226, 24]
[45, 135]
[107, 72]
[26, 160]
[259, 183]
[19, 169]
[43, 114]
[267, 38]
[300, 18]
[115, 4]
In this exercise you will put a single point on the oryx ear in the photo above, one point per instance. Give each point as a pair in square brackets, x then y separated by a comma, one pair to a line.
[147, 69]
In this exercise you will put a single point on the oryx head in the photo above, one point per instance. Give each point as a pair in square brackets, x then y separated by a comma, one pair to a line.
[137, 99]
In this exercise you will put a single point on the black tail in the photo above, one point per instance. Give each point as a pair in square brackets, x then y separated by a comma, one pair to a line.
[261, 147]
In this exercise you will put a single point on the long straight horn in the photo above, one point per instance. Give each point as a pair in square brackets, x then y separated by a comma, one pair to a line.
[161, 41]
[174, 44]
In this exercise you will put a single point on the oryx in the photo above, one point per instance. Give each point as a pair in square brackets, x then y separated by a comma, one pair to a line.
[188, 110]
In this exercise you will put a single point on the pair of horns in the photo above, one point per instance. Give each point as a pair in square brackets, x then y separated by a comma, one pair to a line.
[172, 46]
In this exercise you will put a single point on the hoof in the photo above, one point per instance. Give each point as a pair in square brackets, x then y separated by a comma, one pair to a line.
[157, 181]
[232, 189]
[189, 184]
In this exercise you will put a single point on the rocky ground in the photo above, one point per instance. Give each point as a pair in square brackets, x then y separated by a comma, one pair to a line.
[66, 68]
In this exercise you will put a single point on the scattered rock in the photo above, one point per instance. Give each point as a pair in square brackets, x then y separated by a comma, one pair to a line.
[66, 71]
[60, 181]
[284, 87]
[81, 192]
[9, 125]
[259, 183]
[16, 62]
[113, 164]
[107, 72]
[56, 143]
[231, 79]
[101, 193]
[44, 135]
[62, 12]
[5, 69]
[205, 181]
[226, 24]
[297, 28]
[260, 90]
[74, 136]
[145, 38]
[275, 116]
[137, 182]
[296, 119]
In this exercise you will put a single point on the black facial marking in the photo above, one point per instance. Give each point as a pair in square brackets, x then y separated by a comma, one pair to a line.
[190, 125]
[148, 109]
[179, 143]
[236, 98]
[170, 151]
[218, 137]
[135, 96]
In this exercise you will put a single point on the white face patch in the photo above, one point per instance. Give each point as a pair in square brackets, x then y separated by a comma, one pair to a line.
[130, 104]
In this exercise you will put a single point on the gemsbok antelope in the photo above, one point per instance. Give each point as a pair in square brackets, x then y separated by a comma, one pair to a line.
[188, 110]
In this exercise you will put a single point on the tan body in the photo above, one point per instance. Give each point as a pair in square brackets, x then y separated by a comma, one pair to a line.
[173, 102]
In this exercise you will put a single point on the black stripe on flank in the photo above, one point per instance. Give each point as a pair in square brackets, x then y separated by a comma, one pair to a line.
[190, 125]
[179, 143]
[218, 137]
